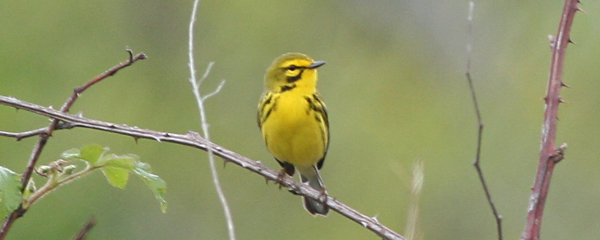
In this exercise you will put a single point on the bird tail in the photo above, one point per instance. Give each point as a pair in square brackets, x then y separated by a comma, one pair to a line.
[313, 179]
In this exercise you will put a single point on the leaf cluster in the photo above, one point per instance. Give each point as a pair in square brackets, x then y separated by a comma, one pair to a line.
[116, 170]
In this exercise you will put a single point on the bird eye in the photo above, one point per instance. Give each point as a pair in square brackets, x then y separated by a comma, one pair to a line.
[292, 67]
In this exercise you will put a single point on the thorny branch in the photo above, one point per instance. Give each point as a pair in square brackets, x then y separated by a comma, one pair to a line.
[193, 139]
[549, 154]
[45, 134]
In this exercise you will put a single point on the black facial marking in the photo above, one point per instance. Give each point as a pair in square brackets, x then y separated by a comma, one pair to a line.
[292, 79]
[287, 87]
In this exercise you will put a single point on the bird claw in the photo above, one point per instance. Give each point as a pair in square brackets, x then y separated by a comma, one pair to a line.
[280, 177]
[323, 196]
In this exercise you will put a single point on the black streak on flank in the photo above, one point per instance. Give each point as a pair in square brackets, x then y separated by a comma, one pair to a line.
[263, 107]
[311, 104]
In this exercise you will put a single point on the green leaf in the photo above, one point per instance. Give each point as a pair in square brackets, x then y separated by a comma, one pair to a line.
[116, 176]
[124, 162]
[92, 153]
[10, 191]
[116, 168]
[89, 153]
[154, 182]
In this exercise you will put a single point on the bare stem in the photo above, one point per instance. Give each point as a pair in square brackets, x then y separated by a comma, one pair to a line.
[196, 84]
[477, 161]
[22, 135]
[85, 229]
[549, 154]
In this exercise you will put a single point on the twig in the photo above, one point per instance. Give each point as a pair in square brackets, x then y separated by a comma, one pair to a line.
[549, 154]
[196, 85]
[44, 135]
[65, 108]
[22, 135]
[85, 229]
[194, 140]
[477, 161]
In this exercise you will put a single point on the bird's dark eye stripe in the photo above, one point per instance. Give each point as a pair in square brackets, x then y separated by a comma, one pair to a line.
[294, 67]
[292, 79]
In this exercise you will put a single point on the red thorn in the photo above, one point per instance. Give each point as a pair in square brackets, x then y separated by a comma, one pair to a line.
[562, 84]
[560, 100]
[571, 41]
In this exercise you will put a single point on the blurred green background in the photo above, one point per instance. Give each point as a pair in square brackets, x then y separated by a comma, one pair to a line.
[396, 92]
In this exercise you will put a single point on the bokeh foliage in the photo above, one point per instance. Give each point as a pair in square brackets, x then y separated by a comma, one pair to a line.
[394, 85]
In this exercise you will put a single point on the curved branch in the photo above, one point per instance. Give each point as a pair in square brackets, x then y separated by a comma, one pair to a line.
[193, 139]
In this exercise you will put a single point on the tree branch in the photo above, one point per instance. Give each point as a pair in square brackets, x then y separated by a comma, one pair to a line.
[193, 139]
[47, 132]
[549, 154]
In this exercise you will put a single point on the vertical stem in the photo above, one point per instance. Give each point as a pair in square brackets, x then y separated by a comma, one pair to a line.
[196, 84]
[549, 155]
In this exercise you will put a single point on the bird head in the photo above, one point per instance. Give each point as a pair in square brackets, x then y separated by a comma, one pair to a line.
[292, 70]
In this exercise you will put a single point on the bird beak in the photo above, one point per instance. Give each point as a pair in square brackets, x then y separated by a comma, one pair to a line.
[316, 64]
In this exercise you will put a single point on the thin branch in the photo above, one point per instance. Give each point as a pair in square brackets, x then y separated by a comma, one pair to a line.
[45, 135]
[196, 85]
[65, 108]
[194, 140]
[85, 229]
[549, 154]
[21, 135]
[216, 91]
[53, 183]
[477, 161]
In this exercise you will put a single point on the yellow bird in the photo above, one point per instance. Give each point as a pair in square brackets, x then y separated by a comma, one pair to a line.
[293, 121]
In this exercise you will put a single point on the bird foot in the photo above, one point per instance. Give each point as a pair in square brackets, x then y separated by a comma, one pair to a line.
[280, 177]
[323, 196]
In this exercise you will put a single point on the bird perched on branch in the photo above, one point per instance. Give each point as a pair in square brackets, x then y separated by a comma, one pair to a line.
[293, 121]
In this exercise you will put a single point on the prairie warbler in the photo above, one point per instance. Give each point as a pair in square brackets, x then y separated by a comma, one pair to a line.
[293, 121]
